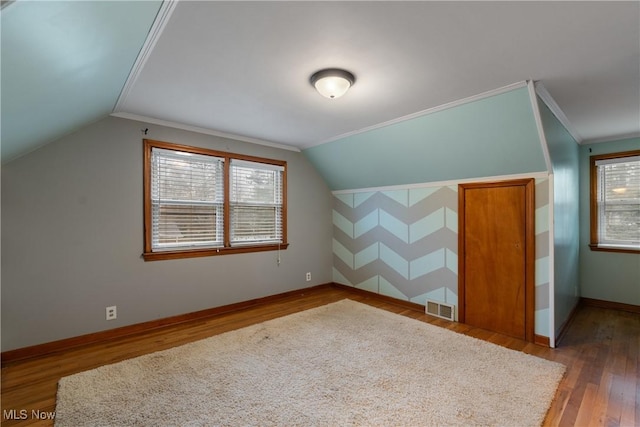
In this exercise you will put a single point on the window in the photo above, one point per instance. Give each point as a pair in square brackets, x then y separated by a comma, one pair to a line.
[255, 202]
[615, 202]
[187, 193]
[201, 202]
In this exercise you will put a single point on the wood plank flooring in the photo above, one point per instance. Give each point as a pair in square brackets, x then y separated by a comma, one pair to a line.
[600, 349]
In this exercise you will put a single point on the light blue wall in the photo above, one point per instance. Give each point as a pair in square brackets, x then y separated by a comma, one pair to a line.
[64, 64]
[489, 137]
[607, 276]
[563, 151]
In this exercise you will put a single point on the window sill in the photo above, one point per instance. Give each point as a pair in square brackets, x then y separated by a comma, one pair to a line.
[621, 249]
[196, 253]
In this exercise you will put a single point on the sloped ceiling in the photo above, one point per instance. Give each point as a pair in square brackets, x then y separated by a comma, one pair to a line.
[64, 65]
[242, 68]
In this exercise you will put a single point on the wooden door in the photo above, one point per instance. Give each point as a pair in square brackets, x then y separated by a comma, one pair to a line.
[496, 257]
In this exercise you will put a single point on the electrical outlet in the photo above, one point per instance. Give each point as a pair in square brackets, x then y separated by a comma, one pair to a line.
[112, 313]
[309, 277]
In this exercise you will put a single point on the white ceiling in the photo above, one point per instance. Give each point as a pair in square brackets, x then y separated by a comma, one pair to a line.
[243, 67]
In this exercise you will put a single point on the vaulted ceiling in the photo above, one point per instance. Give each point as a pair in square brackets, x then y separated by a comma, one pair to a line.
[242, 68]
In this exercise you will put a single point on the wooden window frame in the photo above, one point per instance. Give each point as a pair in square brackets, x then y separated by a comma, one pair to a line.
[226, 249]
[593, 202]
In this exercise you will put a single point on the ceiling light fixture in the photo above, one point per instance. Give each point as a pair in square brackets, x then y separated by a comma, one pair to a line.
[332, 82]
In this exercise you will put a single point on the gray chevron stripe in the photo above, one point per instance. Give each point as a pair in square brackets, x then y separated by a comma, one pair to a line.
[443, 238]
[436, 279]
[360, 211]
[354, 245]
[443, 197]
[542, 296]
[542, 245]
[542, 192]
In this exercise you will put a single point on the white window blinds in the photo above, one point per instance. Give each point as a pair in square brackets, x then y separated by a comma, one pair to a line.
[618, 202]
[187, 196]
[255, 202]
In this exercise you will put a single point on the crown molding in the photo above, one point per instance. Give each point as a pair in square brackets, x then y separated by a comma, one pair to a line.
[428, 111]
[161, 20]
[205, 131]
[546, 97]
[612, 138]
[538, 119]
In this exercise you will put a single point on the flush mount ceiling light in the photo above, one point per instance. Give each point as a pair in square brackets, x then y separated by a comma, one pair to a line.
[332, 82]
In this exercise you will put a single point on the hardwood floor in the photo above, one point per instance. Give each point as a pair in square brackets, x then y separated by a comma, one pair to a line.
[600, 349]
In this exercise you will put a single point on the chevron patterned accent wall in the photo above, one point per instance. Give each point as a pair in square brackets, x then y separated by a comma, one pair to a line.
[403, 243]
[542, 273]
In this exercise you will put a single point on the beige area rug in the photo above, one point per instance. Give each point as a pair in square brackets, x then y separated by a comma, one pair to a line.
[343, 364]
